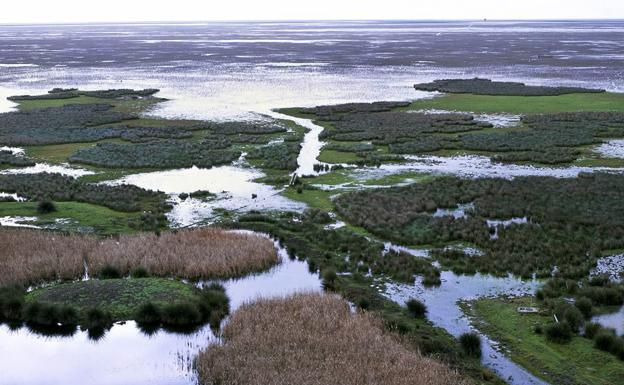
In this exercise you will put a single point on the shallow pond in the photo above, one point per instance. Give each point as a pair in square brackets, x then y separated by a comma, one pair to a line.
[444, 311]
[125, 355]
[612, 320]
[612, 149]
[234, 186]
[63, 169]
[473, 166]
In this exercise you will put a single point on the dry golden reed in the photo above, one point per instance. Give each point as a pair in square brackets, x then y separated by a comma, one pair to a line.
[313, 339]
[194, 254]
[33, 257]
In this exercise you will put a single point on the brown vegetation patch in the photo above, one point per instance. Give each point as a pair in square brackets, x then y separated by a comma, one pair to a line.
[313, 339]
[32, 257]
[194, 254]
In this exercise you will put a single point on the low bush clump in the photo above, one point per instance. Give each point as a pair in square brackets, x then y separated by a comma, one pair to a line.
[211, 305]
[560, 332]
[46, 207]
[471, 344]
[416, 308]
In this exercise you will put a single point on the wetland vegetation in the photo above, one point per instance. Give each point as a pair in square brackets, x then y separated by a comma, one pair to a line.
[553, 229]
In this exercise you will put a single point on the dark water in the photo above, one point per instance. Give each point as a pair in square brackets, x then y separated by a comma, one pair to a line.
[227, 69]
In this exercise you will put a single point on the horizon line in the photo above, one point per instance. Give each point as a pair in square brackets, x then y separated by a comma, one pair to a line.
[260, 21]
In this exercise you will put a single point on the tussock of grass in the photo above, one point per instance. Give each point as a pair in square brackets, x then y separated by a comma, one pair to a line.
[313, 339]
[31, 257]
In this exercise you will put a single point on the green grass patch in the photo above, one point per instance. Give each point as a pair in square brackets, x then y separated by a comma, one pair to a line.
[82, 216]
[577, 362]
[523, 104]
[25, 105]
[337, 157]
[121, 297]
[313, 198]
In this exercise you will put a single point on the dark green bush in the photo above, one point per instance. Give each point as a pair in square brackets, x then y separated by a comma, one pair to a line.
[605, 340]
[182, 313]
[471, 344]
[110, 272]
[46, 207]
[584, 304]
[139, 272]
[98, 318]
[560, 332]
[329, 279]
[148, 313]
[591, 329]
[574, 318]
[416, 308]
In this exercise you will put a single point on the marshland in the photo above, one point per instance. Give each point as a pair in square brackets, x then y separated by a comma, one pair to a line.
[291, 215]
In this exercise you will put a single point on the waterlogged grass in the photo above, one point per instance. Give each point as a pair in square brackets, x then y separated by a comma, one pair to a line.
[121, 297]
[25, 105]
[399, 178]
[81, 216]
[313, 198]
[337, 157]
[577, 362]
[523, 104]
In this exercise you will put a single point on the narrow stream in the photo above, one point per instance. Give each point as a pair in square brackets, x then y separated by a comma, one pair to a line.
[311, 146]
[126, 355]
[444, 311]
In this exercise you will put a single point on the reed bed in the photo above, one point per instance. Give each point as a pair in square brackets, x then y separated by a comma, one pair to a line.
[34, 257]
[193, 254]
[31, 256]
[313, 339]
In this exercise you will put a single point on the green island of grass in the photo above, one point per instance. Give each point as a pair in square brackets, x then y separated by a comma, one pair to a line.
[121, 297]
[575, 363]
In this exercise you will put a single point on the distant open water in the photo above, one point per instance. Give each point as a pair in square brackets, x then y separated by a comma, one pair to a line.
[232, 70]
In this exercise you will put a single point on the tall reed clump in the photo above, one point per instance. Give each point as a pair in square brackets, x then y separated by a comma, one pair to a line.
[32, 256]
[311, 339]
[193, 254]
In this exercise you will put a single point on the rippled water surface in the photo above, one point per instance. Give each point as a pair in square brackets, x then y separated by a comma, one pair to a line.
[226, 70]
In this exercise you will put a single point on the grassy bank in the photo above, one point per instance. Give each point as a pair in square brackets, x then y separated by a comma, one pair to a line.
[577, 362]
[523, 104]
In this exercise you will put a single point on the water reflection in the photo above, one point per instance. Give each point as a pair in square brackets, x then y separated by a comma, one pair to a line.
[234, 186]
[129, 354]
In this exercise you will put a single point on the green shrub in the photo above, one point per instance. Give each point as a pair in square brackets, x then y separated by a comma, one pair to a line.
[591, 329]
[329, 279]
[46, 207]
[110, 272]
[98, 318]
[574, 318]
[560, 332]
[471, 344]
[183, 313]
[584, 304]
[416, 308]
[605, 340]
[148, 313]
[139, 272]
